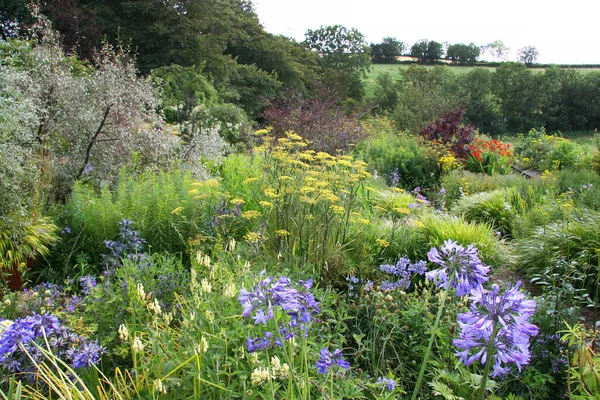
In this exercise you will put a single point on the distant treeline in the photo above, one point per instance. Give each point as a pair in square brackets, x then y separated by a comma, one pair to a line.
[512, 98]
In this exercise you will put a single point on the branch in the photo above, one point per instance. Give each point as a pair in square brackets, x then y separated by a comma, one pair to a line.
[91, 143]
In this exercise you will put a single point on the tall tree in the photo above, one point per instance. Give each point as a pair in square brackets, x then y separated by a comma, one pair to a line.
[528, 55]
[387, 51]
[497, 49]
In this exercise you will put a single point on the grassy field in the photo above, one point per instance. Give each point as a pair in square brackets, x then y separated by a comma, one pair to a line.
[377, 69]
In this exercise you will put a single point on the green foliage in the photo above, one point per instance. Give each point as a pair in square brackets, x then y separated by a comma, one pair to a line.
[464, 183]
[424, 95]
[542, 152]
[463, 54]
[24, 239]
[437, 228]
[427, 51]
[387, 51]
[574, 239]
[167, 208]
[493, 208]
[401, 158]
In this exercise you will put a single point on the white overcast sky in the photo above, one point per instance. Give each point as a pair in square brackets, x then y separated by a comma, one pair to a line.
[562, 31]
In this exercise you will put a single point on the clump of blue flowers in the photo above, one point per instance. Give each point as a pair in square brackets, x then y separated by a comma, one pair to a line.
[129, 245]
[329, 360]
[496, 329]
[404, 270]
[459, 267]
[21, 341]
[271, 298]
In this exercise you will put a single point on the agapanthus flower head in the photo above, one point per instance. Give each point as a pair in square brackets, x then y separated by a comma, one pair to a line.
[404, 270]
[506, 313]
[330, 359]
[459, 267]
[20, 344]
[386, 383]
[269, 295]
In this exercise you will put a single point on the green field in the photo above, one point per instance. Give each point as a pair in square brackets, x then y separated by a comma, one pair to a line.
[377, 69]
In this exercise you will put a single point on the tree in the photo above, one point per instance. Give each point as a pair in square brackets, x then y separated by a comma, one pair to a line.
[427, 51]
[345, 57]
[387, 51]
[340, 47]
[528, 55]
[497, 49]
[462, 53]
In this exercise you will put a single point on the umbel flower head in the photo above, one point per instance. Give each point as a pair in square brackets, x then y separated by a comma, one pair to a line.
[460, 267]
[499, 317]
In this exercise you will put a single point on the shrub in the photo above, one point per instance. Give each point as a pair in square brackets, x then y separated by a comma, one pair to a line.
[449, 132]
[457, 184]
[542, 152]
[401, 160]
[319, 120]
[493, 208]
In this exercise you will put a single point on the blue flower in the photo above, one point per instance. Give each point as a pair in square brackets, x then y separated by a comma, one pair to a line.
[508, 315]
[460, 267]
[388, 384]
[329, 360]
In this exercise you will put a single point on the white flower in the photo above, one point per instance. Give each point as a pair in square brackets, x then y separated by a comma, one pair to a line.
[259, 376]
[206, 287]
[138, 346]
[140, 292]
[202, 347]
[230, 290]
[154, 306]
[123, 333]
[159, 386]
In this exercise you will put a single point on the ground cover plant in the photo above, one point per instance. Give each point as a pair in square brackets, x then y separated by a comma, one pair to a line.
[204, 259]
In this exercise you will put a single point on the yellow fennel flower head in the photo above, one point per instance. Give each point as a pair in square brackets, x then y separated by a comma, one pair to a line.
[338, 209]
[285, 178]
[345, 163]
[282, 232]
[249, 180]
[263, 132]
[266, 204]
[382, 242]
[293, 136]
[236, 201]
[252, 237]
[212, 183]
[177, 211]
[402, 210]
[250, 214]
[193, 191]
[270, 192]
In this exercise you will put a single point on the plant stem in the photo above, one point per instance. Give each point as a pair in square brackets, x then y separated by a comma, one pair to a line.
[488, 363]
[430, 345]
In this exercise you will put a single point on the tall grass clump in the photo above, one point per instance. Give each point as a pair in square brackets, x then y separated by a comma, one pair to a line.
[575, 239]
[460, 183]
[583, 184]
[435, 229]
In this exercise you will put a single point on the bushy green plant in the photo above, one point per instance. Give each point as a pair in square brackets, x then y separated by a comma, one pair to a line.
[542, 152]
[401, 159]
[168, 208]
[575, 238]
[437, 228]
[583, 185]
[459, 183]
[489, 207]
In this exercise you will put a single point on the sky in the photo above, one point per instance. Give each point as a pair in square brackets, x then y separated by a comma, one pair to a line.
[563, 32]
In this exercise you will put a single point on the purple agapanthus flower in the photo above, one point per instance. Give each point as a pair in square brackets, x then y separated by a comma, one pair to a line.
[460, 267]
[508, 313]
[20, 344]
[329, 360]
[388, 384]
[404, 270]
[295, 299]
